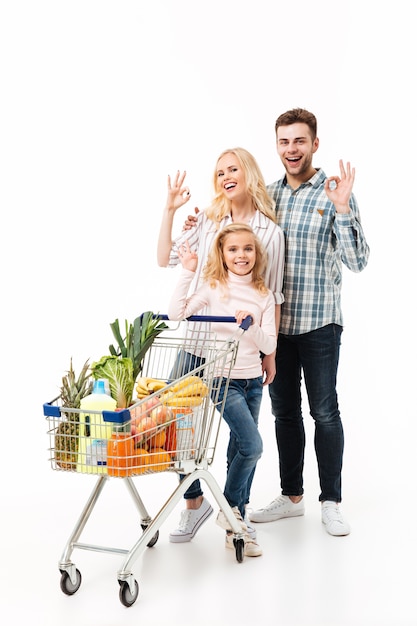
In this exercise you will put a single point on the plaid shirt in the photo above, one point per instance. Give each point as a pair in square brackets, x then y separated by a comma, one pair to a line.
[317, 241]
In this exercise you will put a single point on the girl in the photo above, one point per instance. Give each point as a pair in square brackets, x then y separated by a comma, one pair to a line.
[233, 284]
[240, 195]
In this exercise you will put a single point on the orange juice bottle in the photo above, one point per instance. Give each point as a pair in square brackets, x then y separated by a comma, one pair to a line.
[120, 451]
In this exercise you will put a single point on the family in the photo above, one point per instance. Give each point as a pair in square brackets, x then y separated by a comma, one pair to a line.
[274, 253]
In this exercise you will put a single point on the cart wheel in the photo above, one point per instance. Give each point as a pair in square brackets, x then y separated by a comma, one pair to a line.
[154, 539]
[125, 595]
[240, 549]
[67, 586]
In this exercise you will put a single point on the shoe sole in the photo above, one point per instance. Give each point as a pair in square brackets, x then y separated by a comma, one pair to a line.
[273, 518]
[343, 533]
[188, 536]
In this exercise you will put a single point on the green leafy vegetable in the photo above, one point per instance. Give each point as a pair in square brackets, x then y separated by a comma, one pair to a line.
[119, 372]
[139, 337]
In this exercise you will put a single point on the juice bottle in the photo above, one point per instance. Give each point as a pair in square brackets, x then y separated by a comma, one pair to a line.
[120, 451]
[184, 433]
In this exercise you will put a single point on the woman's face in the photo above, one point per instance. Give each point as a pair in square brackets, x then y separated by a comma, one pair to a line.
[239, 253]
[231, 178]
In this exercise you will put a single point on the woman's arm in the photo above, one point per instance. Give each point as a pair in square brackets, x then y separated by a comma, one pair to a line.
[178, 195]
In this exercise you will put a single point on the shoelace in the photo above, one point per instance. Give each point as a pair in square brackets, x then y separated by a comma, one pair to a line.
[185, 517]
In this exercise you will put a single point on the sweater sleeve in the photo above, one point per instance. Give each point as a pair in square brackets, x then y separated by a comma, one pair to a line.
[264, 334]
[181, 307]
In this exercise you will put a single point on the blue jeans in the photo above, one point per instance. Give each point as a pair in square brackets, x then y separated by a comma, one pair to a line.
[241, 412]
[316, 354]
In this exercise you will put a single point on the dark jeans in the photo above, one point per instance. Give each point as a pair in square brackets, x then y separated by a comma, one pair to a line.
[316, 355]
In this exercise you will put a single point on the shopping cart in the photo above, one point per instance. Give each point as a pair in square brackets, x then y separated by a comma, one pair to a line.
[172, 428]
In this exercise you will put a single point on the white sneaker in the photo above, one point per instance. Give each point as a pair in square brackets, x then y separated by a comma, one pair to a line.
[251, 547]
[281, 507]
[251, 530]
[223, 522]
[191, 520]
[332, 518]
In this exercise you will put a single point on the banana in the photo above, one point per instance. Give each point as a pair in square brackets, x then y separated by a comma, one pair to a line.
[145, 386]
[187, 382]
[181, 401]
[156, 385]
[191, 386]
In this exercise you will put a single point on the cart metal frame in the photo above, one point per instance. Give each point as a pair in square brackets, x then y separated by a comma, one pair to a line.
[218, 359]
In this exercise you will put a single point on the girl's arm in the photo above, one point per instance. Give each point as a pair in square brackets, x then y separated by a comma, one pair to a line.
[180, 306]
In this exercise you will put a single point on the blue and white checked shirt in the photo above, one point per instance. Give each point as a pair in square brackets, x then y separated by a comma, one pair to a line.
[317, 242]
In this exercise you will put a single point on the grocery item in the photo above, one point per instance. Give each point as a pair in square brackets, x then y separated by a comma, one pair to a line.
[188, 392]
[94, 431]
[121, 452]
[73, 389]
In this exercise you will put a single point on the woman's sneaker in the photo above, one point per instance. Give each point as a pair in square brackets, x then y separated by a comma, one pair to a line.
[191, 520]
[251, 530]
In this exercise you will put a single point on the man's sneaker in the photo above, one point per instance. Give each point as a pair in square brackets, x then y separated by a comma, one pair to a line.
[332, 518]
[251, 547]
[277, 509]
[191, 520]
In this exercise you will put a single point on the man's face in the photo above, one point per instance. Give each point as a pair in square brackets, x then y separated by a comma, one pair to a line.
[296, 148]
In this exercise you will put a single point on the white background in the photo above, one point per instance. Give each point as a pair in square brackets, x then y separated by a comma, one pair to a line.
[100, 102]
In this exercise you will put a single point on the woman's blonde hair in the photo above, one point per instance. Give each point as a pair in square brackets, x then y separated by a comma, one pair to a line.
[221, 206]
[215, 270]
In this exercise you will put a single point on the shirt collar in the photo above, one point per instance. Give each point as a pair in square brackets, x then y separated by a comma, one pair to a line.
[315, 181]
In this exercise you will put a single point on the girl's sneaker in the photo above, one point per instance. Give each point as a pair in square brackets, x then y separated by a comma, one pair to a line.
[251, 547]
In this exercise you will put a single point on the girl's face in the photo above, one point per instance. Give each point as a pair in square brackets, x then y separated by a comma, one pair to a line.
[239, 253]
[231, 178]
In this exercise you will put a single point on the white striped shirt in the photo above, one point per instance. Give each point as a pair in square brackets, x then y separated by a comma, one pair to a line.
[201, 237]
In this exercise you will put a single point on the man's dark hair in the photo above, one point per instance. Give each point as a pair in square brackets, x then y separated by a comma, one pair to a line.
[297, 116]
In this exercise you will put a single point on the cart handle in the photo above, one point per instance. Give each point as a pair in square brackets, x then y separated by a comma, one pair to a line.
[246, 322]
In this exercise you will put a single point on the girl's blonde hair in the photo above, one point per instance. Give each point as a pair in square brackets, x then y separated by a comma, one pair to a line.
[255, 182]
[215, 270]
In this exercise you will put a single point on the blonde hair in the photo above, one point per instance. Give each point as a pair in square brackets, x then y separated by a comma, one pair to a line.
[215, 271]
[221, 206]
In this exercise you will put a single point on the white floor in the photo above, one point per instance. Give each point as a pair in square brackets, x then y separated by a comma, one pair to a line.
[304, 578]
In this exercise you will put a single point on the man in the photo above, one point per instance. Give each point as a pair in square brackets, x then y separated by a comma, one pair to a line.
[322, 229]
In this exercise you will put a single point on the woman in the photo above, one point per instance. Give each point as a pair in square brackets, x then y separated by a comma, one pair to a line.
[240, 195]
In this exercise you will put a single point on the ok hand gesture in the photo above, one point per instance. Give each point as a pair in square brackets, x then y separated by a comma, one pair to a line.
[178, 194]
[339, 188]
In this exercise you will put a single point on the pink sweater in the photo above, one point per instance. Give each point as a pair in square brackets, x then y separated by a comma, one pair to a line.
[260, 336]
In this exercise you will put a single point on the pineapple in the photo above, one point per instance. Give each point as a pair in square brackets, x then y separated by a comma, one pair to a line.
[66, 440]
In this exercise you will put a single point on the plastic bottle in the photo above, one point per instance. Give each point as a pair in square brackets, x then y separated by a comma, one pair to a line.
[120, 451]
[94, 432]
